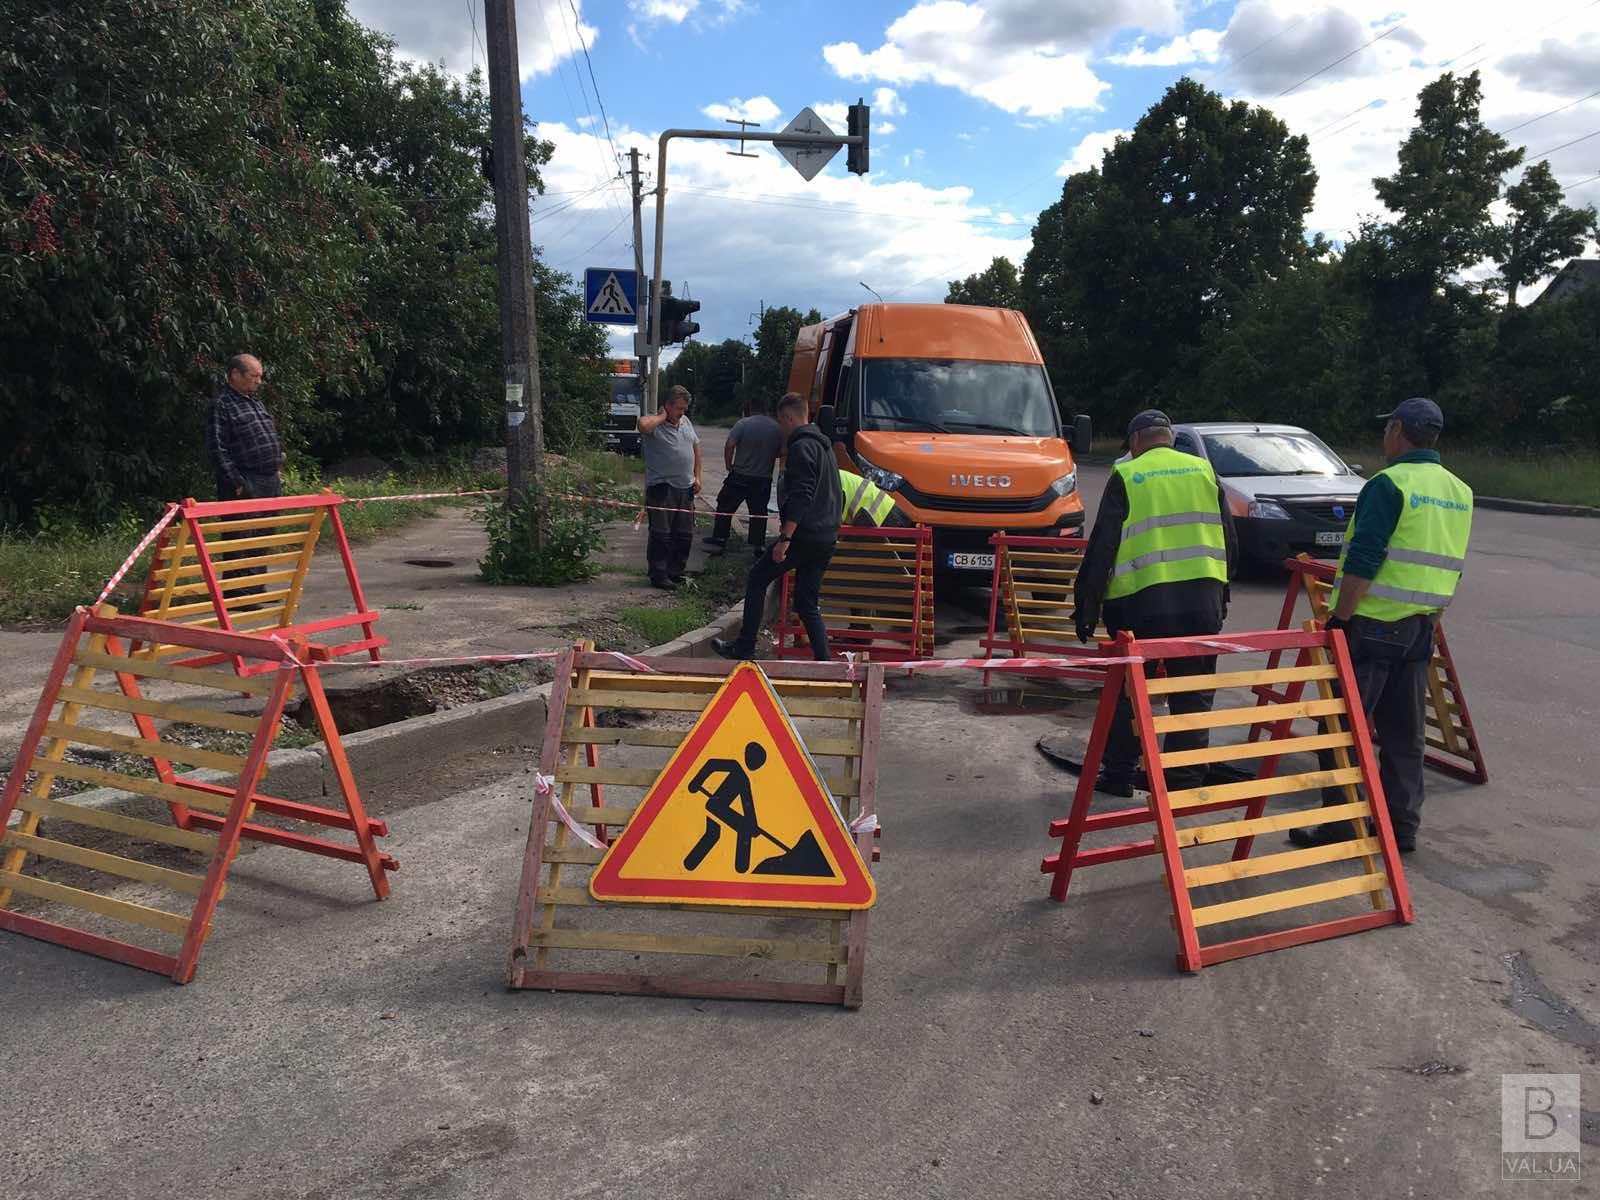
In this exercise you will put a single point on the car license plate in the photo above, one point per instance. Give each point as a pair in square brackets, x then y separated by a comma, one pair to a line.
[971, 562]
[1330, 537]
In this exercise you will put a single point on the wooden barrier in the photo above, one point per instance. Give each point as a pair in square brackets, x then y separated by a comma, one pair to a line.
[1450, 735]
[1368, 864]
[1031, 596]
[557, 915]
[241, 566]
[877, 598]
[207, 819]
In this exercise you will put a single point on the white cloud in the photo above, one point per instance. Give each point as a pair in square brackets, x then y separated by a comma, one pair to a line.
[834, 113]
[1562, 66]
[758, 109]
[1198, 45]
[886, 102]
[883, 127]
[1027, 57]
[676, 12]
[427, 31]
[740, 230]
[1089, 151]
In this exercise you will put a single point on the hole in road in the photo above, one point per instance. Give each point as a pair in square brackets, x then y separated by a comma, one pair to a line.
[430, 562]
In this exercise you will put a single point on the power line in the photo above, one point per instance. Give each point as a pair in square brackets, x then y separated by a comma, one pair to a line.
[1392, 29]
[1551, 113]
[1262, 45]
[1564, 145]
[778, 202]
[597, 98]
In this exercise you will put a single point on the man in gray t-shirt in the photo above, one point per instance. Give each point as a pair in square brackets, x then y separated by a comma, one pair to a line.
[671, 482]
[752, 449]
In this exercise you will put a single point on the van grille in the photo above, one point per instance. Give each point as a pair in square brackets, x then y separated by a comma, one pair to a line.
[978, 504]
[1318, 511]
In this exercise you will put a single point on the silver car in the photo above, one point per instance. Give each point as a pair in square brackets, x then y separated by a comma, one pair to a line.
[1287, 490]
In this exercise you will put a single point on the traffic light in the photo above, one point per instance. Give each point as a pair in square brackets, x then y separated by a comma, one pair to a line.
[675, 323]
[858, 124]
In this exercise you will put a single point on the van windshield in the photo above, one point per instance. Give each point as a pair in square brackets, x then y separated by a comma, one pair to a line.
[957, 396]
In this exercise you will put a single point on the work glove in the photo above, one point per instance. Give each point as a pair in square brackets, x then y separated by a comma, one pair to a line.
[1085, 629]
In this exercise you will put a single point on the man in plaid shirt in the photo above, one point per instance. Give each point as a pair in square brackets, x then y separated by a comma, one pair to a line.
[241, 436]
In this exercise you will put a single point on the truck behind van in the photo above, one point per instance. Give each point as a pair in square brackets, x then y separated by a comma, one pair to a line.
[947, 407]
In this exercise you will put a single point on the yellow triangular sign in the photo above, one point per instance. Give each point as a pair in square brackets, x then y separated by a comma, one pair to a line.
[738, 816]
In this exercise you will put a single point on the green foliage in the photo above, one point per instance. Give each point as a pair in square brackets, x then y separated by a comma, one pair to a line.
[1542, 230]
[546, 541]
[996, 286]
[1449, 174]
[767, 378]
[1140, 260]
[714, 375]
[183, 180]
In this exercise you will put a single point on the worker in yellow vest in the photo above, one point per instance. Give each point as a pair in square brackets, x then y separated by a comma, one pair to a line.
[865, 503]
[1404, 551]
[1157, 565]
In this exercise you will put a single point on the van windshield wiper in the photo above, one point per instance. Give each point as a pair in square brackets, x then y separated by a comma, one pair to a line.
[916, 422]
[989, 427]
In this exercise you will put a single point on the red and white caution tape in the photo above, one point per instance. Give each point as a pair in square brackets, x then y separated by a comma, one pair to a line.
[545, 785]
[1009, 664]
[358, 501]
[127, 563]
[449, 658]
[865, 823]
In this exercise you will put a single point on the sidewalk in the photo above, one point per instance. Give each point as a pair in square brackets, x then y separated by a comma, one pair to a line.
[425, 610]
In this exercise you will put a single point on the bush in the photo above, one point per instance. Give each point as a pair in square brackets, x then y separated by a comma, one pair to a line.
[572, 531]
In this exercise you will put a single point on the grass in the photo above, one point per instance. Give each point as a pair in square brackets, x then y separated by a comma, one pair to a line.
[1568, 478]
[605, 466]
[699, 602]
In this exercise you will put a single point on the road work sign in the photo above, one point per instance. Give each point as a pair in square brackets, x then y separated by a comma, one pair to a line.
[611, 296]
[739, 816]
[808, 160]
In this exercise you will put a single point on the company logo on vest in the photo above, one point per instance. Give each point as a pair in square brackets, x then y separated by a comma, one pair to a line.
[1141, 476]
[1418, 500]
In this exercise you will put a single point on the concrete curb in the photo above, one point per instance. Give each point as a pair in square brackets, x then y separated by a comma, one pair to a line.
[1536, 507]
[391, 752]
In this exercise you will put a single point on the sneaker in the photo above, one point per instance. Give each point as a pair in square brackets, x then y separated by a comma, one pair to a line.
[666, 585]
[714, 543]
[1114, 785]
[1307, 836]
[731, 650]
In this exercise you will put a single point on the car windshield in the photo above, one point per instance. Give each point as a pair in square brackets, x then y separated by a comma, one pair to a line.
[957, 396]
[625, 390]
[1271, 454]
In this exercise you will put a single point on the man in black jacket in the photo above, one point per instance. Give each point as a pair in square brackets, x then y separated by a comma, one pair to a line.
[1184, 608]
[810, 505]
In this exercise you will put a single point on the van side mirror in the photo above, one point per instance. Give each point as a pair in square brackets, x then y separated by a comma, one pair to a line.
[825, 422]
[1355, 468]
[1082, 434]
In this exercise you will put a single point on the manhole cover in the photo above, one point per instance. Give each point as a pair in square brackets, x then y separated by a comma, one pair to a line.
[430, 562]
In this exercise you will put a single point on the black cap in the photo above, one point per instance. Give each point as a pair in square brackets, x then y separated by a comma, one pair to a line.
[1417, 413]
[1150, 418]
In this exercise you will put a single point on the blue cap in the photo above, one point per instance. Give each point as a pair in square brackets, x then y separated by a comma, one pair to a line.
[1417, 413]
[1150, 418]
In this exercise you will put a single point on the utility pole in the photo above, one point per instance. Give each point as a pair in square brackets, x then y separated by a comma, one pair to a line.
[518, 332]
[647, 398]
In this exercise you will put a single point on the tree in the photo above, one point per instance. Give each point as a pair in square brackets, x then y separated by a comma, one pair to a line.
[1449, 174]
[1140, 259]
[1542, 230]
[767, 378]
[574, 364]
[996, 286]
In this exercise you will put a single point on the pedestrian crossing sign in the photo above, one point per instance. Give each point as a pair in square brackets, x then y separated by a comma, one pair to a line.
[739, 816]
[611, 295]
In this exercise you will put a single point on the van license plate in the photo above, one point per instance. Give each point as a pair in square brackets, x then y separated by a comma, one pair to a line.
[1330, 537]
[971, 562]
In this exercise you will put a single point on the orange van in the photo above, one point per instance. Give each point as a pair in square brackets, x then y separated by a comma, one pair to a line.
[948, 408]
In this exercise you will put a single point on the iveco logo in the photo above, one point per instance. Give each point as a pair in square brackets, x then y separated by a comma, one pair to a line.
[980, 481]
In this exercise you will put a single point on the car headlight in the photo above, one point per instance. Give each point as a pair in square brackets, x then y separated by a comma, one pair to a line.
[1266, 510]
[887, 480]
[1066, 485]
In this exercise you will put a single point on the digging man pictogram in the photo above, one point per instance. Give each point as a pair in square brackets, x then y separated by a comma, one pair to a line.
[805, 857]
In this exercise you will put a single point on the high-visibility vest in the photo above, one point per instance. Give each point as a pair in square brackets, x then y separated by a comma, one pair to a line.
[1428, 549]
[1173, 532]
[861, 495]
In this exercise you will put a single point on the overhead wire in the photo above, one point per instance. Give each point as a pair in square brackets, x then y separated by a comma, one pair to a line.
[1398, 25]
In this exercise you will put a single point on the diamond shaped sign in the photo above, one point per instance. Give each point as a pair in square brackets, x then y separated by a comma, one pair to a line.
[808, 160]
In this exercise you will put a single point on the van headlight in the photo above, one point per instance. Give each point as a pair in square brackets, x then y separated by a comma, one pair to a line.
[1066, 485]
[887, 480]
[1266, 510]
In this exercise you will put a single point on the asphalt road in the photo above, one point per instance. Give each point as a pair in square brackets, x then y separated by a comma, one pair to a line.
[333, 1047]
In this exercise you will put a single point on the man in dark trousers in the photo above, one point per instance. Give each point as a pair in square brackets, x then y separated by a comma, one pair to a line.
[671, 450]
[750, 453]
[241, 437]
[1157, 565]
[810, 505]
[1404, 551]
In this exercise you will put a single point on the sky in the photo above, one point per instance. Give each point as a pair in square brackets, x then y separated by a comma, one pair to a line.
[980, 108]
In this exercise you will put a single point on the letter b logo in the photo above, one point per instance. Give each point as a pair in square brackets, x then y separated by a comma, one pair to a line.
[1538, 1114]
